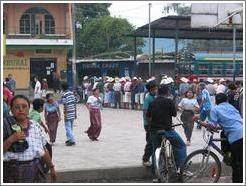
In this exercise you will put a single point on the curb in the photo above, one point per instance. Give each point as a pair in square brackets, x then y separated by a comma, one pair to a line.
[113, 175]
[102, 175]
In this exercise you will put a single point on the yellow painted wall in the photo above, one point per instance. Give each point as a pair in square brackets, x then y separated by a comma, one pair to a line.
[20, 66]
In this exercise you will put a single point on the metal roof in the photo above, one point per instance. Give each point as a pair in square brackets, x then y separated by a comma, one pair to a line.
[166, 27]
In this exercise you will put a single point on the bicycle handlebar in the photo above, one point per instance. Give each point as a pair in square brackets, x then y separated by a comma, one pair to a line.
[210, 128]
[178, 124]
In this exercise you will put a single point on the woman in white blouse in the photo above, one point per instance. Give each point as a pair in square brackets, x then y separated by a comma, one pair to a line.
[188, 105]
[93, 104]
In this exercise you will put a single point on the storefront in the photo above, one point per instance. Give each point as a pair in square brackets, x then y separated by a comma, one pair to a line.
[108, 67]
[38, 37]
[25, 64]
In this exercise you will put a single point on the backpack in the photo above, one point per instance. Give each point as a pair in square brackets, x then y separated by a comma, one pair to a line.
[18, 146]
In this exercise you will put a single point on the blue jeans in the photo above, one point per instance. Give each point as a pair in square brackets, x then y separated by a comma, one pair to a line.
[69, 130]
[178, 145]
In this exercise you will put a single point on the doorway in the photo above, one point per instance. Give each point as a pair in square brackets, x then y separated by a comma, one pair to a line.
[43, 68]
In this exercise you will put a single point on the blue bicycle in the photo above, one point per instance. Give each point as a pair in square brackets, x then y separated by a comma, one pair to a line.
[204, 165]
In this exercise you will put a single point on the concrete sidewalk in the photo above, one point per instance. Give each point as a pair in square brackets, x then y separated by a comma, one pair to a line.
[117, 154]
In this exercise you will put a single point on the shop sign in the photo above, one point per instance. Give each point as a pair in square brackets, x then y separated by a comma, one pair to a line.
[16, 64]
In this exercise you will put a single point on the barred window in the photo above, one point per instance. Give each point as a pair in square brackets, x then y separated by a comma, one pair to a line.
[25, 23]
[49, 24]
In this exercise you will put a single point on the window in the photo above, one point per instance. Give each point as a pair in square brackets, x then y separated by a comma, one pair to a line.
[25, 24]
[31, 22]
[203, 68]
[240, 72]
[49, 24]
[218, 69]
[229, 69]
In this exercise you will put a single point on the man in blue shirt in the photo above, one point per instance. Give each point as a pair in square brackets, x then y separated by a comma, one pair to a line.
[229, 118]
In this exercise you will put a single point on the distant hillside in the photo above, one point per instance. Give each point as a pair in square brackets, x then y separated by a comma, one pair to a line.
[165, 45]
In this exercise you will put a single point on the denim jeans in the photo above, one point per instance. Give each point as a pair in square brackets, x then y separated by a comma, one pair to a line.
[178, 145]
[69, 130]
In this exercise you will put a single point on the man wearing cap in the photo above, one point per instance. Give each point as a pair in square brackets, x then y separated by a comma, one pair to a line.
[86, 84]
[127, 91]
[211, 89]
[221, 87]
[160, 114]
[117, 93]
[184, 86]
[134, 91]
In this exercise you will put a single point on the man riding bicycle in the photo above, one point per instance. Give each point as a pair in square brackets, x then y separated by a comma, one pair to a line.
[160, 114]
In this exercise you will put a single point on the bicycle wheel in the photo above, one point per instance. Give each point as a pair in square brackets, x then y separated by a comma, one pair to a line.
[201, 166]
[163, 167]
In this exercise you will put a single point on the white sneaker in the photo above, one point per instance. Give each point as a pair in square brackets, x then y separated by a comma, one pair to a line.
[146, 163]
[188, 173]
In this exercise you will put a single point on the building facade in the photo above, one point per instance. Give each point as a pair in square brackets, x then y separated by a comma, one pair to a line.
[38, 36]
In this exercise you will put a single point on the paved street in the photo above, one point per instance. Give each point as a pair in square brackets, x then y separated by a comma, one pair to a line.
[120, 144]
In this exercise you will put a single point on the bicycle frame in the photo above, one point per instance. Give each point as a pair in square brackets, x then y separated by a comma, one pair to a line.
[210, 143]
[213, 145]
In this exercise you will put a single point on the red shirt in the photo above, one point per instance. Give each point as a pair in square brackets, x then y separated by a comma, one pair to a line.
[8, 94]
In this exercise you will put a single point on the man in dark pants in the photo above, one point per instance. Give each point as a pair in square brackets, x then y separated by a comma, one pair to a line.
[229, 118]
[149, 98]
[160, 113]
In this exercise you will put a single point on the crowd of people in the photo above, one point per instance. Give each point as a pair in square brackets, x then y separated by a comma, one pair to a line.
[160, 99]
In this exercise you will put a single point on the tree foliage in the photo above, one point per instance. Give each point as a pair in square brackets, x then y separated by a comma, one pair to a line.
[177, 8]
[85, 11]
[105, 34]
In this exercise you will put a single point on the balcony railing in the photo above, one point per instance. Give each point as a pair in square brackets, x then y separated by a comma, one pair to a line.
[60, 33]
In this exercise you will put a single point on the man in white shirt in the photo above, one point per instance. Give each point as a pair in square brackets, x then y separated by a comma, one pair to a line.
[221, 87]
[37, 89]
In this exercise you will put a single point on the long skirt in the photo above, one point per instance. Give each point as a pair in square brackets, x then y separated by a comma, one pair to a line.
[188, 123]
[23, 172]
[96, 124]
[52, 123]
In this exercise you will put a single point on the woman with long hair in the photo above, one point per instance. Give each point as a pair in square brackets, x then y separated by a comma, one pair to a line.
[188, 105]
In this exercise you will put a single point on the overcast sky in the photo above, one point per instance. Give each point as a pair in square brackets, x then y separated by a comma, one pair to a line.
[137, 12]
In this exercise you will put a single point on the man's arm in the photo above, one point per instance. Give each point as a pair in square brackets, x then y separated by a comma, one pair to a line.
[173, 108]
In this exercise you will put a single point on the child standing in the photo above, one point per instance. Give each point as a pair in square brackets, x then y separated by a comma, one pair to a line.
[52, 116]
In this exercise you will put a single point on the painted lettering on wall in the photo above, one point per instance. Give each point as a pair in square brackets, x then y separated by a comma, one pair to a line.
[18, 64]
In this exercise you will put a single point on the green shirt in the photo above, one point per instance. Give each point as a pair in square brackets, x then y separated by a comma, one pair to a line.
[147, 101]
[35, 115]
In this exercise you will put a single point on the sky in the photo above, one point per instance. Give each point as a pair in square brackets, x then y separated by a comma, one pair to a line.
[137, 12]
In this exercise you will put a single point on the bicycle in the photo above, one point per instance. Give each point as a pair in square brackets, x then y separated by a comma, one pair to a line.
[204, 165]
[165, 166]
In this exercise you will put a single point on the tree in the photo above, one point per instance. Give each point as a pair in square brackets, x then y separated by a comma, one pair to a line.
[177, 8]
[105, 34]
[85, 11]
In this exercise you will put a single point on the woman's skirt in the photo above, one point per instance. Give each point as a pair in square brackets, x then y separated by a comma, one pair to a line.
[52, 123]
[96, 124]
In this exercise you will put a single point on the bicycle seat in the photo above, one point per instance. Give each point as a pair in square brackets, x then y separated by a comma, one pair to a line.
[160, 132]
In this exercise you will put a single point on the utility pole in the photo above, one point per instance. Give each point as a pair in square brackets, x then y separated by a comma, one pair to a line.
[234, 52]
[149, 43]
[74, 47]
